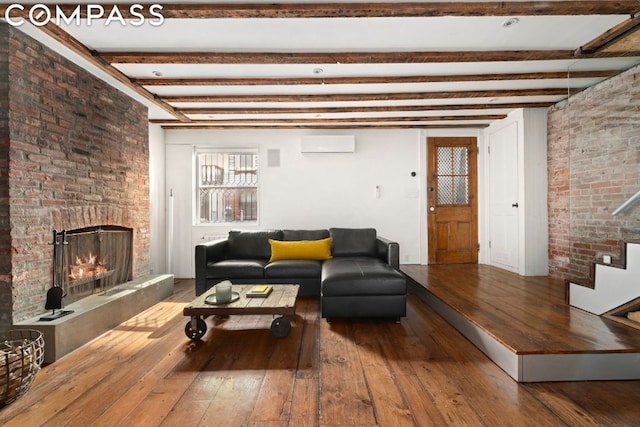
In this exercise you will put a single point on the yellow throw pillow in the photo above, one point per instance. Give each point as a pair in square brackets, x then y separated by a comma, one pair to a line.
[301, 249]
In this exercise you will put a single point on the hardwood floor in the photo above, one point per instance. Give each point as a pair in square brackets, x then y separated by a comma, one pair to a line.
[420, 372]
[540, 320]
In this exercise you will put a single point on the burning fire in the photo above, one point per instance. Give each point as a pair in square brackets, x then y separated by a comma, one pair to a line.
[87, 267]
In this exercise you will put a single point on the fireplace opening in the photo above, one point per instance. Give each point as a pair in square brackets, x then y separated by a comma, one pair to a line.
[92, 260]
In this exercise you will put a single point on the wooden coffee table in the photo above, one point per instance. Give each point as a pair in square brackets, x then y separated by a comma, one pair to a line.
[281, 302]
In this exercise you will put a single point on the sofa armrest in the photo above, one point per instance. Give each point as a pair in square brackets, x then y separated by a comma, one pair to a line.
[215, 250]
[389, 252]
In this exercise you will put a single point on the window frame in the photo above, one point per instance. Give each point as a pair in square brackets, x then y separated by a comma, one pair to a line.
[198, 151]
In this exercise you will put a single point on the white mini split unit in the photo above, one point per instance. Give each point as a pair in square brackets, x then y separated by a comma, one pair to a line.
[328, 144]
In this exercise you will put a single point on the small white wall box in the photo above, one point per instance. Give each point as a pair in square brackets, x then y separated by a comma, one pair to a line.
[328, 144]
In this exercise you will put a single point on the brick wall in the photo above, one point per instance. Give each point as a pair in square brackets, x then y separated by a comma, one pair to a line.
[78, 157]
[558, 195]
[594, 166]
[5, 240]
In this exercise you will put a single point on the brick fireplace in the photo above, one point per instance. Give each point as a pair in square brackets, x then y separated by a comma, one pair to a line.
[73, 154]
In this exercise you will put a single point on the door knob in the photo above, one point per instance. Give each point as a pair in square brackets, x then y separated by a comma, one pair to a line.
[515, 205]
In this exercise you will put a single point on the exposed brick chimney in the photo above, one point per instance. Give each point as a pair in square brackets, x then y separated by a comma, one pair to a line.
[74, 153]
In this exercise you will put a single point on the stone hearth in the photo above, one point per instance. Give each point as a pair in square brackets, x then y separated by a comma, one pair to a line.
[96, 314]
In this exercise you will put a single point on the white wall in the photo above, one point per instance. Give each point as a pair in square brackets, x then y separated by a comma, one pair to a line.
[157, 200]
[534, 186]
[309, 190]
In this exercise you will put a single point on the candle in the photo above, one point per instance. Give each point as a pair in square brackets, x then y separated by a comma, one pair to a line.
[223, 291]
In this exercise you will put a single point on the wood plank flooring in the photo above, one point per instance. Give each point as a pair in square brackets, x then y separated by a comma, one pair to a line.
[524, 325]
[420, 372]
[527, 314]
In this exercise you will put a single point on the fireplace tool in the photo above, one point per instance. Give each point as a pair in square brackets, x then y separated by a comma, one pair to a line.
[56, 292]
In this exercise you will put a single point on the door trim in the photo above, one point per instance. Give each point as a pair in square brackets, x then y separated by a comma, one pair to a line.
[467, 215]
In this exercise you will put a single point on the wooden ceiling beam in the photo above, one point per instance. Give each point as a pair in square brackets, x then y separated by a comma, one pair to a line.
[331, 57]
[487, 117]
[597, 46]
[290, 81]
[372, 125]
[372, 109]
[395, 96]
[380, 10]
[403, 9]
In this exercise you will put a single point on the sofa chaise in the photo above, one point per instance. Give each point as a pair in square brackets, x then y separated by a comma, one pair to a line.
[353, 271]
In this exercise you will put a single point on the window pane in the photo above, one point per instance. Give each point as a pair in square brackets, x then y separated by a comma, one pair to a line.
[444, 161]
[228, 187]
[461, 190]
[452, 176]
[445, 190]
[460, 161]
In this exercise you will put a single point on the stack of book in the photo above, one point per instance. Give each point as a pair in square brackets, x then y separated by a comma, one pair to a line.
[259, 291]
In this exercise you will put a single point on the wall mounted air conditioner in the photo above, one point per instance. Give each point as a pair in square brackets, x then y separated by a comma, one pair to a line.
[328, 144]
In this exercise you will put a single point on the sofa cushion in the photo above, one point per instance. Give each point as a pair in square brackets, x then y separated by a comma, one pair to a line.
[353, 242]
[304, 234]
[286, 269]
[251, 244]
[301, 249]
[236, 269]
[361, 276]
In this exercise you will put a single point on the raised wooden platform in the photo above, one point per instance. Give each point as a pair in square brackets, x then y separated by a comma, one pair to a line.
[524, 325]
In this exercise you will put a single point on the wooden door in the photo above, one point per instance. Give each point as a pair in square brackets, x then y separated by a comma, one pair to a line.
[452, 200]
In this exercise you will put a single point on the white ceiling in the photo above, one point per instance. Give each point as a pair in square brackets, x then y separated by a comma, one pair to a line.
[241, 97]
[348, 34]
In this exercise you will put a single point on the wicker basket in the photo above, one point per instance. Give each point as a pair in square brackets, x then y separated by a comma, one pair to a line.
[21, 354]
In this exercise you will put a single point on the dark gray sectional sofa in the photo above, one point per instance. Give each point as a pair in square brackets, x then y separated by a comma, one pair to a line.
[360, 280]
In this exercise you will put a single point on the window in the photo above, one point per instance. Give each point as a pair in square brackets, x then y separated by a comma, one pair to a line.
[227, 186]
[453, 176]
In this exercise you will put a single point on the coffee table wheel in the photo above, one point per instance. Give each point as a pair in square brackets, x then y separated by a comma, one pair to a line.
[280, 327]
[195, 328]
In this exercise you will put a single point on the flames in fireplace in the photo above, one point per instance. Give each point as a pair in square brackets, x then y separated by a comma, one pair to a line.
[87, 266]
